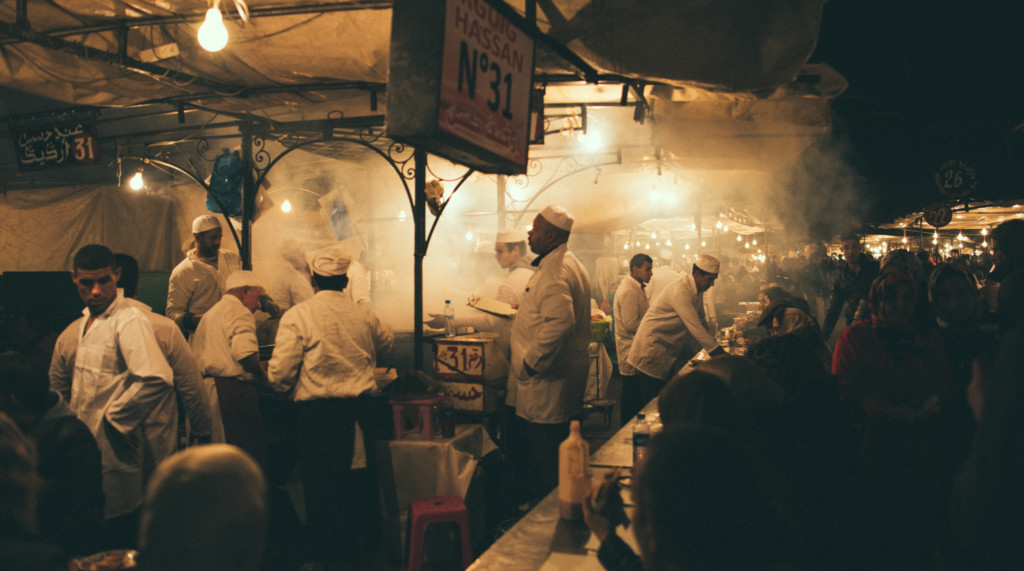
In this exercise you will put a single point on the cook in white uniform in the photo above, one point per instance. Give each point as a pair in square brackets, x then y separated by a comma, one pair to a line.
[109, 368]
[674, 328]
[629, 309]
[662, 275]
[197, 283]
[290, 281]
[510, 252]
[226, 348]
[326, 350]
[550, 336]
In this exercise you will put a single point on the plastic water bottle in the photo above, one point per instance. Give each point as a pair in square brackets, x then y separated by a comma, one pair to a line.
[641, 435]
[449, 319]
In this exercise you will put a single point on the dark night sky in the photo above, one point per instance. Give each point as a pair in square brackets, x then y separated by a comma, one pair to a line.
[929, 81]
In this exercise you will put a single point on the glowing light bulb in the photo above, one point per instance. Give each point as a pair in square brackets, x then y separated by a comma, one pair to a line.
[904, 240]
[725, 228]
[718, 224]
[136, 182]
[747, 245]
[687, 246]
[984, 231]
[469, 235]
[668, 242]
[213, 36]
[934, 241]
[658, 243]
[647, 246]
[754, 241]
[637, 244]
[960, 236]
[693, 227]
[703, 244]
[286, 206]
[654, 235]
[625, 246]
[739, 238]
[936, 235]
[401, 215]
[984, 244]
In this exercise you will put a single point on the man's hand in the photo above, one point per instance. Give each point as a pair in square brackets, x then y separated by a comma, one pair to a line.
[436, 321]
[529, 370]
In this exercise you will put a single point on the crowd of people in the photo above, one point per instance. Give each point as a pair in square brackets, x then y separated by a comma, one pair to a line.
[891, 450]
[891, 447]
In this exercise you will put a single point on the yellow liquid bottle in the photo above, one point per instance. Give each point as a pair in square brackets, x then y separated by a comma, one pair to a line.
[573, 474]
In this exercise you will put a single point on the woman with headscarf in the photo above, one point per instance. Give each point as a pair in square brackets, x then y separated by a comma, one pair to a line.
[900, 379]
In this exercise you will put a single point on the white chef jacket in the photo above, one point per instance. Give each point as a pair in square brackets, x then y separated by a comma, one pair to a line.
[226, 335]
[188, 382]
[673, 318]
[661, 277]
[288, 286]
[511, 292]
[113, 376]
[327, 347]
[629, 308]
[196, 286]
[358, 289]
[551, 333]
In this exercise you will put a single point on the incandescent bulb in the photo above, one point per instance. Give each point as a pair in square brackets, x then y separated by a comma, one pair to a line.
[469, 235]
[286, 206]
[136, 182]
[401, 215]
[213, 36]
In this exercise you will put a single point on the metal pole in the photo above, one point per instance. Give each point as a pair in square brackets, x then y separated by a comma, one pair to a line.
[419, 217]
[248, 197]
[502, 181]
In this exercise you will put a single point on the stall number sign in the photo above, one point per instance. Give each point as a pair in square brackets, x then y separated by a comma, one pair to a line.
[486, 77]
[465, 360]
[56, 145]
[956, 179]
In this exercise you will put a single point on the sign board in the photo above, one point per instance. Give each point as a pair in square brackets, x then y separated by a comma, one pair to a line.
[938, 215]
[459, 83]
[56, 145]
[956, 179]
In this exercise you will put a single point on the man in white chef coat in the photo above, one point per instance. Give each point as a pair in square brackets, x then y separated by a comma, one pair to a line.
[674, 329]
[325, 352]
[290, 282]
[226, 348]
[162, 426]
[109, 368]
[510, 252]
[550, 337]
[197, 283]
[630, 306]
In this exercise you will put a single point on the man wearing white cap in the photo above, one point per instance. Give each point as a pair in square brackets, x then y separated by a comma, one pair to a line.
[550, 360]
[674, 329]
[325, 352]
[226, 348]
[198, 281]
[510, 252]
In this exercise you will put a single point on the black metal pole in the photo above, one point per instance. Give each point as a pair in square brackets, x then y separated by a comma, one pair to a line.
[248, 198]
[419, 217]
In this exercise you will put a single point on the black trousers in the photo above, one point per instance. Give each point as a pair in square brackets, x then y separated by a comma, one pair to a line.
[637, 391]
[341, 524]
[536, 456]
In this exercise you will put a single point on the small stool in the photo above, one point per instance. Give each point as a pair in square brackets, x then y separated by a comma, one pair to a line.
[424, 419]
[424, 511]
[604, 406]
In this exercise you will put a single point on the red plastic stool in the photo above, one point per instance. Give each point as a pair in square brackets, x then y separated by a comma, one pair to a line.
[424, 511]
[424, 416]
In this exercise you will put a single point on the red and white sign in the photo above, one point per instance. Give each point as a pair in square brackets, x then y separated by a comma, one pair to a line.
[486, 78]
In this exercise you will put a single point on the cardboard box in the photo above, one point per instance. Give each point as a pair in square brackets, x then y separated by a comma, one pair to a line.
[472, 369]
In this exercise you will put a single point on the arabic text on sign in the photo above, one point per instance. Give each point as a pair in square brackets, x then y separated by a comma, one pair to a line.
[465, 359]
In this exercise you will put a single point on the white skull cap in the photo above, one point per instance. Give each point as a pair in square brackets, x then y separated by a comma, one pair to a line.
[507, 236]
[204, 223]
[558, 217]
[241, 278]
[665, 254]
[707, 263]
[330, 261]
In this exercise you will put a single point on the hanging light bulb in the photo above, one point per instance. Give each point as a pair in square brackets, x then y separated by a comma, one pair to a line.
[754, 241]
[703, 244]
[960, 236]
[718, 224]
[647, 246]
[984, 244]
[654, 235]
[668, 242]
[136, 182]
[469, 235]
[286, 206]
[935, 241]
[625, 246]
[693, 227]
[747, 245]
[687, 246]
[213, 36]
[739, 238]
[637, 244]
[904, 240]
[401, 215]
[984, 231]
[936, 235]
[725, 228]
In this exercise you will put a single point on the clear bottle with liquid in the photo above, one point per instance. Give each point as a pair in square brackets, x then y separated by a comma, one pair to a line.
[573, 474]
[449, 319]
[641, 436]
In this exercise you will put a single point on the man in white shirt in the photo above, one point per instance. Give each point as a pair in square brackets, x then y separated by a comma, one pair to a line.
[325, 352]
[109, 368]
[550, 357]
[674, 329]
[197, 283]
[290, 281]
[226, 348]
[629, 309]
[510, 252]
[162, 426]
[662, 275]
